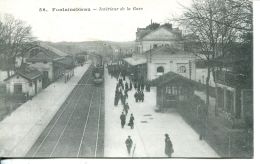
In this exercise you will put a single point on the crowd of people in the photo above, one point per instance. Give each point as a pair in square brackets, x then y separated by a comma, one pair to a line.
[126, 82]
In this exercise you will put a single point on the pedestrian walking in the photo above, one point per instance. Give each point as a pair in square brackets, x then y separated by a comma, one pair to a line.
[168, 146]
[126, 108]
[142, 96]
[122, 118]
[135, 85]
[126, 86]
[131, 86]
[142, 86]
[126, 94]
[147, 87]
[129, 144]
[131, 121]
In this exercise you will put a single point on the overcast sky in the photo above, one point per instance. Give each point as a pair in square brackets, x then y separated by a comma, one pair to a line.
[90, 25]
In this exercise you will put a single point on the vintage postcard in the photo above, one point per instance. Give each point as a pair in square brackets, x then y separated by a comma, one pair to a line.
[126, 79]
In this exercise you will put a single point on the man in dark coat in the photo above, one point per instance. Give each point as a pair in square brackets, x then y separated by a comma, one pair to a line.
[131, 121]
[136, 96]
[126, 94]
[129, 144]
[147, 87]
[122, 118]
[135, 85]
[142, 96]
[116, 97]
[168, 146]
[126, 108]
[131, 86]
[126, 86]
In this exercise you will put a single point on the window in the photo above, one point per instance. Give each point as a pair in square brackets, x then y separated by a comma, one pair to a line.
[30, 84]
[45, 62]
[155, 46]
[182, 69]
[174, 90]
[160, 69]
[168, 90]
[171, 90]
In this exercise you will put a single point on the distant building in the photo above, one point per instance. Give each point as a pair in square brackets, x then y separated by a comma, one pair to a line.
[26, 80]
[50, 61]
[149, 38]
[161, 49]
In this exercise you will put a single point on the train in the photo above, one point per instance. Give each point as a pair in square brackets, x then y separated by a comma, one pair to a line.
[98, 71]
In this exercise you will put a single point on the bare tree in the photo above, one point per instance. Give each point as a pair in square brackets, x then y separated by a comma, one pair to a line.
[14, 35]
[215, 25]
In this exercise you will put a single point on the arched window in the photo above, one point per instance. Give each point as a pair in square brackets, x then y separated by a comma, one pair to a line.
[182, 69]
[160, 69]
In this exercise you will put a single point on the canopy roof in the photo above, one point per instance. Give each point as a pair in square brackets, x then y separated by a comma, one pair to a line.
[172, 77]
[135, 60]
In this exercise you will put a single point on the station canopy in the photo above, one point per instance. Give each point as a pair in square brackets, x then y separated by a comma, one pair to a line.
[171, 77]
[133, 61]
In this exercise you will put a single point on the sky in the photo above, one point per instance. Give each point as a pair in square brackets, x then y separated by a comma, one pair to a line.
[119, 25]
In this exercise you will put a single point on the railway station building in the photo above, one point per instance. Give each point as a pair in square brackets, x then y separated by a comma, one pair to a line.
[26, 81]
[53, 63]
[160, 49]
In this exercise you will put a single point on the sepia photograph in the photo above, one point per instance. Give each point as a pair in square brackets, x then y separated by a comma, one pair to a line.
[126, 79]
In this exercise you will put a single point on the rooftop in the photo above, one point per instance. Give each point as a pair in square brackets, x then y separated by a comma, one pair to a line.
[170, 77]
[67, 62]
[26, 72]
[142, 32]
[44, 52]
[135, 60]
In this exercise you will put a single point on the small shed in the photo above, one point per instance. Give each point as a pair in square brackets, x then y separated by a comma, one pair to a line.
[173, 89]
[25, 80]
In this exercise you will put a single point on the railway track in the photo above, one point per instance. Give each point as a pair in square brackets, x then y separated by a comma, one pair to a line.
[77, 129]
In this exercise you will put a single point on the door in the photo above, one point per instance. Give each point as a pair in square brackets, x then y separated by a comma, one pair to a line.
[18, 88]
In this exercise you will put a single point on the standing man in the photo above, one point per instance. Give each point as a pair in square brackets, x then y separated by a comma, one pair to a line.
[136, 96]
[126, 108]
[131, 85]
[126, 86]
[131, 121]
[129, 143]
[168, 146]
[122, 118]
[142, 96]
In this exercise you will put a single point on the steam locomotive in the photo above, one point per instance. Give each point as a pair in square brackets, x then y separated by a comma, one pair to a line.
[98, 71]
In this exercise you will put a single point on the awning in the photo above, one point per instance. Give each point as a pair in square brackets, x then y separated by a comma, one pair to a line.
[135, 61]
[172, 77]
